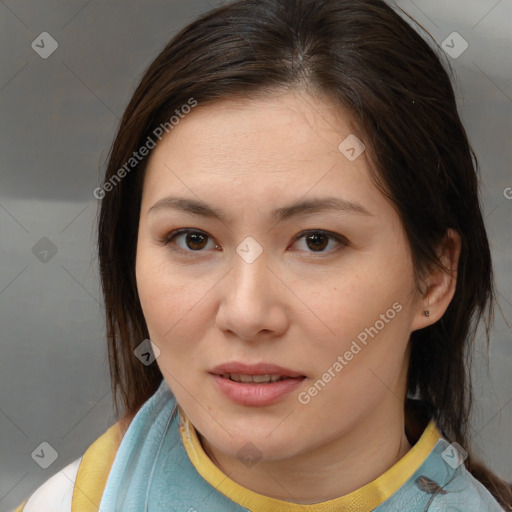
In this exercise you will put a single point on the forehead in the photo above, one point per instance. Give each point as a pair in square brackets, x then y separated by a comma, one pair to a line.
[287, 125]
[289, 142]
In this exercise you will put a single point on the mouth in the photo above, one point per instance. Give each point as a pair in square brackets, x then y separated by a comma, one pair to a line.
[254, 379]
[255, 385]
[254, 373]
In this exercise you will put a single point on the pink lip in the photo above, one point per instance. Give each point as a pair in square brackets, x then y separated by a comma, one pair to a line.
[254, 369]
[256, 394]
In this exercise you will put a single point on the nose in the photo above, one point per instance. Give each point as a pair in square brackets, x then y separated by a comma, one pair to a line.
[252, 304]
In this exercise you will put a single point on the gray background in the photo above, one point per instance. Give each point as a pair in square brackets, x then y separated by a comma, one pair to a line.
[58, 117]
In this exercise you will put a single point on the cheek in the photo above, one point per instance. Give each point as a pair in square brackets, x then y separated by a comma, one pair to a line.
[361, 365]
[353, 300]
[364, 316]
[167, 299]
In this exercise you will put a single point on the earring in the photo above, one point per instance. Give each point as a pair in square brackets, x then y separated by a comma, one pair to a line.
[426, 313]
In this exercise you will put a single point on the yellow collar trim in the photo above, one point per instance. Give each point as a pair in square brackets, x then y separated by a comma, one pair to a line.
[364, 499]
[94, 470]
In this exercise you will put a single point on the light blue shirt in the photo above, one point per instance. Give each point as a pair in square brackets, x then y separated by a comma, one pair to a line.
[152, 472]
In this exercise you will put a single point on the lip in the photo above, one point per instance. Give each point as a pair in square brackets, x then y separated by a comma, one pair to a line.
[254, 369]
[256, 395]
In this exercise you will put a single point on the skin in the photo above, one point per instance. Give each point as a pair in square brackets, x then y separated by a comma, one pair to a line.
[294, 306]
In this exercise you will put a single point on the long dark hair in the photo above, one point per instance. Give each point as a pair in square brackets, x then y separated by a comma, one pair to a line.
[364, 57]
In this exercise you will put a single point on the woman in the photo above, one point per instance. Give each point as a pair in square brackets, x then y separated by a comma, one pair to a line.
[290, 214]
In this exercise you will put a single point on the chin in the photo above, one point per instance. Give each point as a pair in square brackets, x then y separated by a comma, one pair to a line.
[248, 439]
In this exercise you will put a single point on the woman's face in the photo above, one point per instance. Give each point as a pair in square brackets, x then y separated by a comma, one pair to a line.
[290, 263]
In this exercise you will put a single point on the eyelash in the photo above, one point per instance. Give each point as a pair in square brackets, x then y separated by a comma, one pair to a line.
[167, 241]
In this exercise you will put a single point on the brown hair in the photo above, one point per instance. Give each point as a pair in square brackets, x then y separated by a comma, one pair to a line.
[365, 57]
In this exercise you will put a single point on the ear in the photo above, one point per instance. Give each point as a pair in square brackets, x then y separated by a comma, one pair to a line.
[439, 286]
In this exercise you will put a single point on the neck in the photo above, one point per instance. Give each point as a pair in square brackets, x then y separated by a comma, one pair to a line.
[331, 470]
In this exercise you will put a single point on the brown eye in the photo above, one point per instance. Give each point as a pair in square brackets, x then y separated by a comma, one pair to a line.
[196, 241]
[191, 241]
[317, 241]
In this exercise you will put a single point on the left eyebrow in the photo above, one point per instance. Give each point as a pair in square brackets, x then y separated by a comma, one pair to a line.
[318, 205]
[279, 214]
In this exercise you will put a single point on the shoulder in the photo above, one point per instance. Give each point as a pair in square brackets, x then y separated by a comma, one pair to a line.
[480, 497]
[56, 493]
[79, 486]
[459, 489]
